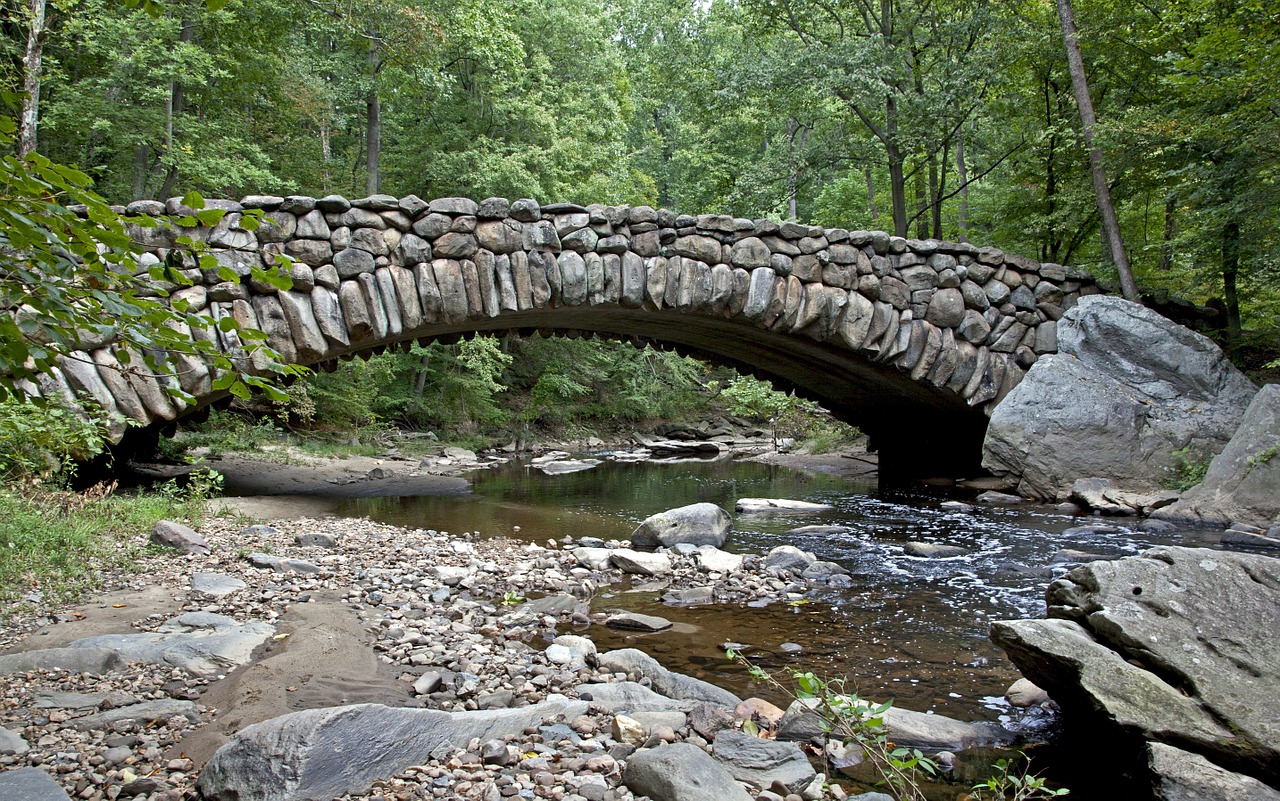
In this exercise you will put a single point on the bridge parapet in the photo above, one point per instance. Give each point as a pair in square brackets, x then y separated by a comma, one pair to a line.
[959, 323]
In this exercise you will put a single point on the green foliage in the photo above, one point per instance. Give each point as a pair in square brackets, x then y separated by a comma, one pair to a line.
[1188, 470]
[855, 722]
[46, 440]
[61, 543]
[1011, 784]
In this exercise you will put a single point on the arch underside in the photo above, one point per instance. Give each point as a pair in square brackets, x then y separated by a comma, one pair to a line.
[917, 428]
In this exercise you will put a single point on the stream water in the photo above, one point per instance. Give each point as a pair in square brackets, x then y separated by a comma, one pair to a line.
[910, 628]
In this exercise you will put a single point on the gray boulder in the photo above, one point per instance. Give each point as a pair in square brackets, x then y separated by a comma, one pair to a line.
[74, 660]
[680, 772]
[788, 559]
[325, 753]
[630, 697]
[639, 562]
[1126, 389]
[762, 762]
[178, 537]
[1243, 481]
[199, 642]
[1182, 776]
[671, 684]
[696, 524]
[1170, 646]
[32, 784]
[634, 621]
[905, 727]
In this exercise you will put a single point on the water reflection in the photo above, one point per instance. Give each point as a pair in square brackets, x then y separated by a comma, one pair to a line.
[910, 628]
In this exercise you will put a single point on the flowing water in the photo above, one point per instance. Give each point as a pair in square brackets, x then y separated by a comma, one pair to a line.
[909, 628]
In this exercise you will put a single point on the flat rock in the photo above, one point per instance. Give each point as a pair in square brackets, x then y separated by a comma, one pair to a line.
[32, 784]
[680, 772]
[141, 713]
[819, 531]
[778, 506]
[74, 659]
[561, 467]
[1126, 390]
[1242, 484]
[634, 621]
[325, 753]
[200, 642]
[1102, 495]
[671, 684]
[54, 699]
[995, 498]
[1165, 646]
[1183, 776]
[639, 562]
[695, 524]
[216, 585]
[761, 762]
[12, 743]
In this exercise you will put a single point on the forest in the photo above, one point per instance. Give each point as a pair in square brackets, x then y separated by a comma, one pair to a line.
[947, 119]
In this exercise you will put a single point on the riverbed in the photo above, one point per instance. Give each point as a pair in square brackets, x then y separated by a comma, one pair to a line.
[909, 628]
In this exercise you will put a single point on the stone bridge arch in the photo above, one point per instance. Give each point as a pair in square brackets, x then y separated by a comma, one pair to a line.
[914, 341]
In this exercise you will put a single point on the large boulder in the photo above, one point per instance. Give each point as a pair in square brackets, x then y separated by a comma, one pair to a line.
[1173, 646]
[696, 524]
[1126, 390]
[326, 753]
[1242, 484]
[681, 772]
[1182, 776]
[904, 726]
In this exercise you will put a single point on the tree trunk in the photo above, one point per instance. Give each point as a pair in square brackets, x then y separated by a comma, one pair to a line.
[871, 197]
[1230, 269]
[922, 221]
[31, 76]
[1097, 169]
[141, 170]
[897, 176]
[373, 152]
[1170, 231]
[936, 188]
[962, 173]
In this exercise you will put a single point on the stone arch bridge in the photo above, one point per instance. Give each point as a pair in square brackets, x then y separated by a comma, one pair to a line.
[913, 341]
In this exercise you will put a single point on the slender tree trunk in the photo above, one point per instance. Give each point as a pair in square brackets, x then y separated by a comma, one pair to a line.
[962, 173]
[1230, 269]
[1170, 231]
[373, 153]
[175, 105]
[922, 221]
[31, 77]
[1097, 169]
[935, 197]
[141, 166]
[871, 197]
[897, 175]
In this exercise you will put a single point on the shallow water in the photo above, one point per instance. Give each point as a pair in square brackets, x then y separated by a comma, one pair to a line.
[910, 628]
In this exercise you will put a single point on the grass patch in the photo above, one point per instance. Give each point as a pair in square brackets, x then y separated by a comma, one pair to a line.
[61, 544]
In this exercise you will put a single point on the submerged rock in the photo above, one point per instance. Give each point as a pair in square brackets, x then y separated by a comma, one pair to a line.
[777, 506]
[1171, 646]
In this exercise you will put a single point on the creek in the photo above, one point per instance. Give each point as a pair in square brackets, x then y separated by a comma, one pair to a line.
[910, 628]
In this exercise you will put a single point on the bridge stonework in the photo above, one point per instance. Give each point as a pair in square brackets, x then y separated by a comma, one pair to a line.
[915, 341]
